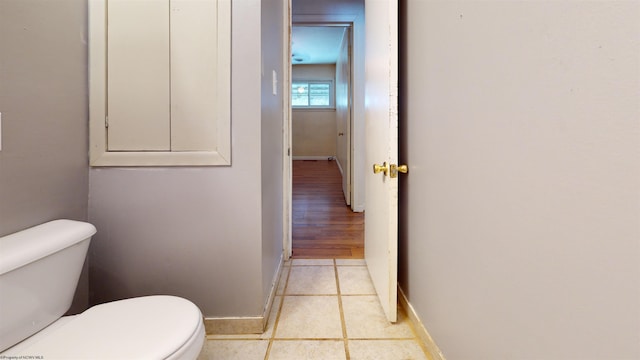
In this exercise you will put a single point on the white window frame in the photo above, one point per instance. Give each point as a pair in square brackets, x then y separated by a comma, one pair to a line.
[332, 91]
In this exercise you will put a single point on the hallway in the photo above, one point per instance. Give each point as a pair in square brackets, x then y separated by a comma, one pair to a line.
[324, 309]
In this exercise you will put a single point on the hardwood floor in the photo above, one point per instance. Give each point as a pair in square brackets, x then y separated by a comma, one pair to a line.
[323, 225]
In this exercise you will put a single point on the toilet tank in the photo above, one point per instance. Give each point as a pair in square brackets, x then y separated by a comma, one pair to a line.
[39, 272]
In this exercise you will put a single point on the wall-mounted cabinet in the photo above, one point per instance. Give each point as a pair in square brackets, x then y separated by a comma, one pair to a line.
[160, 82]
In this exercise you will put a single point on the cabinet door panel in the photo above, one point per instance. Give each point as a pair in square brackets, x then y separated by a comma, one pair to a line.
[138, 85]
[194, 82]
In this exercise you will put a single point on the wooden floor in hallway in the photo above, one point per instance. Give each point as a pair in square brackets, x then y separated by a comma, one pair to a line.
[323, 225]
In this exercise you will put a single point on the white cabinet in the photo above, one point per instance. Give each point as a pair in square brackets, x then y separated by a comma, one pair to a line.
[160, 82]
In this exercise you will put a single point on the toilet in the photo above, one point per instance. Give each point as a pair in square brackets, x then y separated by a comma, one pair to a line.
[39, 272]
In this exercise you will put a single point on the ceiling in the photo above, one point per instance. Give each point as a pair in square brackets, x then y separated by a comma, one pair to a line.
[315, 44]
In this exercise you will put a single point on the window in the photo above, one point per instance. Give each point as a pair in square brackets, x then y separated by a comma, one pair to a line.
[312, 94]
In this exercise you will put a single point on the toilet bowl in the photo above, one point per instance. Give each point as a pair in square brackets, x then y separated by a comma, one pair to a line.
[151, 327]
[36, 267]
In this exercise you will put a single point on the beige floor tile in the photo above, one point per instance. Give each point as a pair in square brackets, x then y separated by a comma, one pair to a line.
[355, 280]
[365, 319]
[312, 280]
[358, 262]
[308, 317]
[307, 349]
[385, 350]
[234, 350]
[296, 262]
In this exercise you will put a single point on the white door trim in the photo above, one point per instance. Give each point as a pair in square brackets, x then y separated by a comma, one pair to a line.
[287, 200]
[286, 126]
[356, 126]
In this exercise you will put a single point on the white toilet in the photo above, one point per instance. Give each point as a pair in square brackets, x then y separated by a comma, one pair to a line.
[39, 271]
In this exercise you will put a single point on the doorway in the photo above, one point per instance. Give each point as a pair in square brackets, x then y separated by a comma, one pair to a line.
[381, 80]
[324, 224]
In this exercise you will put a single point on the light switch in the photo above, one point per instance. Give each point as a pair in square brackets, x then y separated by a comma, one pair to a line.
[274, 76]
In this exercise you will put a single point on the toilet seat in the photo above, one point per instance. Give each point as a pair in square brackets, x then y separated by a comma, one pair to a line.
[151, 327]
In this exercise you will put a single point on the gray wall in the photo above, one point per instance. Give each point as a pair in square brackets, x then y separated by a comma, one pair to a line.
[271, 153]
[520, 216]
[198, 232]
[43, 100]
[195, 232]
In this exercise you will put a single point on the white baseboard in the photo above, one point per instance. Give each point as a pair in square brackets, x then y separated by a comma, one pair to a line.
[340, 167]
[234, 325]
[322, 157]
[272, 293]
[245, 325]
[433, 352]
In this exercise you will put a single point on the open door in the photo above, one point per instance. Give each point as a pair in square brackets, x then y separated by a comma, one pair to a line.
[343, 113]
[381, 117]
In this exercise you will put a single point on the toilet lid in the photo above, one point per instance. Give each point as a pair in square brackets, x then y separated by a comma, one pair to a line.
[151, 327]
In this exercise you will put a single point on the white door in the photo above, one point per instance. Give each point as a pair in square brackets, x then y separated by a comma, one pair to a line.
[343, 113]
[381, 117]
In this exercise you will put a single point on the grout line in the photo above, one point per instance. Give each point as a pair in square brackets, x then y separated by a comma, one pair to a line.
[235, 338]
[342, 320]
[334, 294]
[325, 265]
[385, 338]
[279, 312]
[314, 339]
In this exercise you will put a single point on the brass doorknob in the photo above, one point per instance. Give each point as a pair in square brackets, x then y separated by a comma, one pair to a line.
[381, 168]
[395, 169]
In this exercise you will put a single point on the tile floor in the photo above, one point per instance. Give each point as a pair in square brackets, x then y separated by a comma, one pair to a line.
[324, 309]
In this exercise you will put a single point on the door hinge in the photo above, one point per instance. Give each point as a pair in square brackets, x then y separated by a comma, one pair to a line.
[289, 152]
[106, 122]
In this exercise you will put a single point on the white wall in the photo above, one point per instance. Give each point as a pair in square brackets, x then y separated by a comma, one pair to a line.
[197, 232]
[313, 72]
[520, 218]
[43, 87]
[313, 130]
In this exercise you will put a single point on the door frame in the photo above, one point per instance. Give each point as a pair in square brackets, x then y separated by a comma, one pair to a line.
[347, 172]
[287, 178]
[356, 126]
[315, 20]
